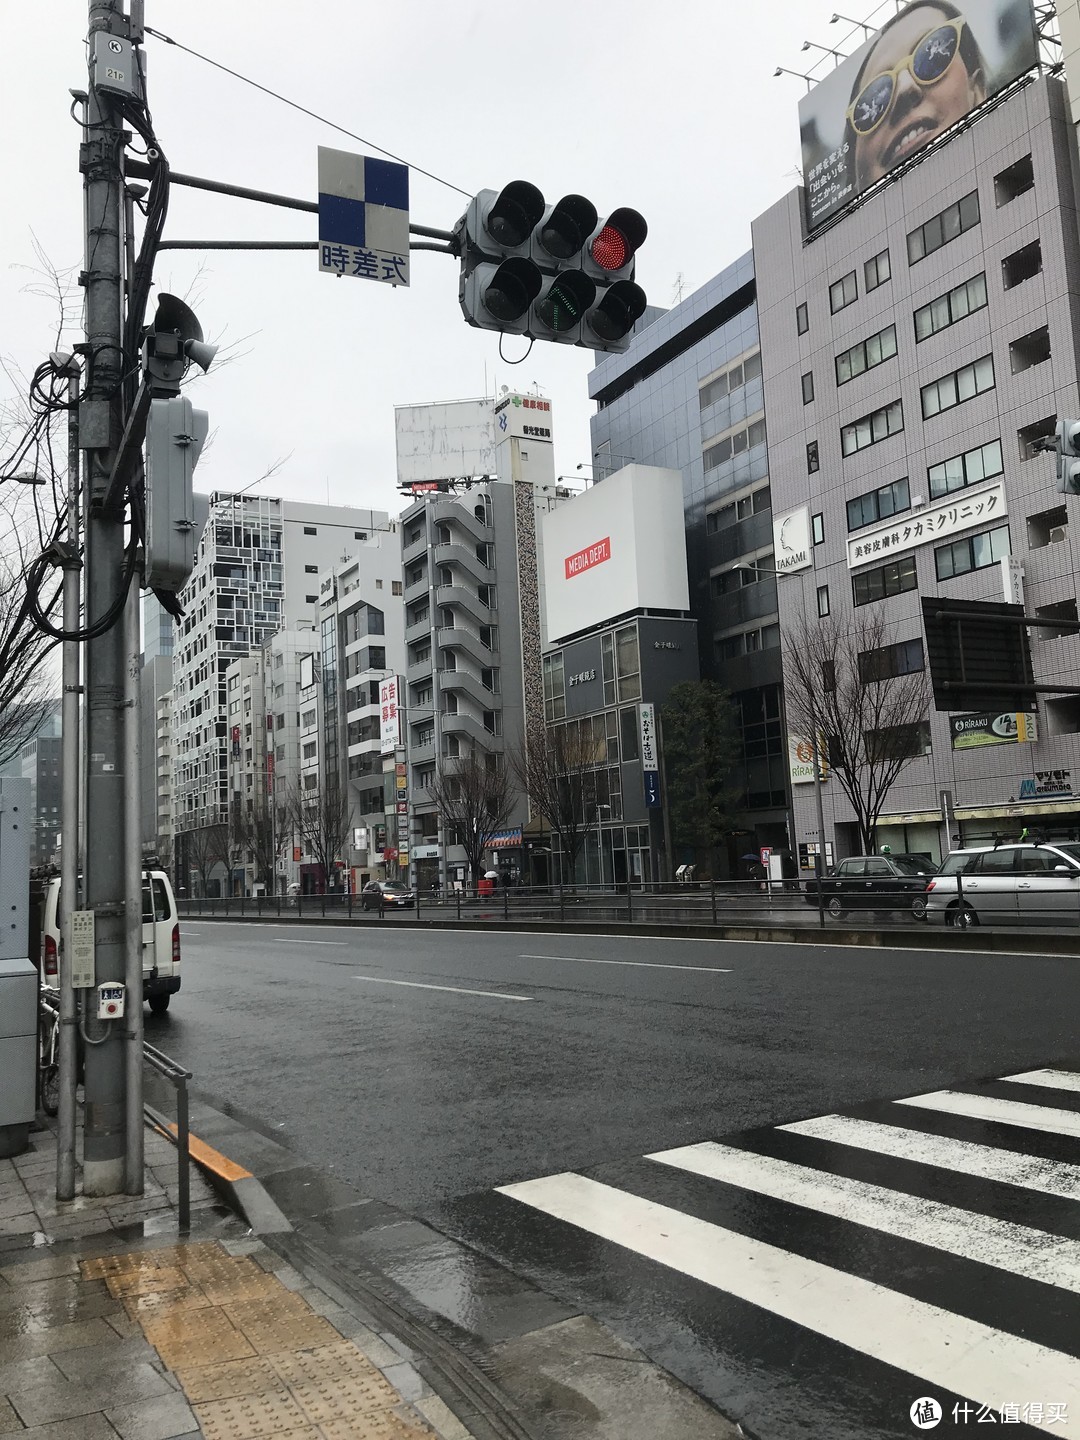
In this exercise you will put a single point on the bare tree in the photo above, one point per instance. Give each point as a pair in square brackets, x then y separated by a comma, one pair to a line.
[701, 746]
[474, 795]
[203, 848]
[321, 818]
[555, 766]
[848, 684]
[257, 833]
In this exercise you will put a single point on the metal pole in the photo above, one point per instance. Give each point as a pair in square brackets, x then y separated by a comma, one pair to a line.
[69, 813]
[819, 858]
[183, 1199]
[100, 429]
[133, 902]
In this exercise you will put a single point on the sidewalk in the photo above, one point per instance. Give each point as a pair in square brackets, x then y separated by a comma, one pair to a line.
[112, 1324]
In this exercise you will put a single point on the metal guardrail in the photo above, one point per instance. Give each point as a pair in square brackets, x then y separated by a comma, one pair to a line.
[698, 903]
[178, 1078]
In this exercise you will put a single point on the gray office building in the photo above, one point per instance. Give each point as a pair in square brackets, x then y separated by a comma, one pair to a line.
[687, 395]
[914, 355]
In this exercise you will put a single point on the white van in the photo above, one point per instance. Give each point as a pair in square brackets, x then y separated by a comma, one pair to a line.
[161, 938]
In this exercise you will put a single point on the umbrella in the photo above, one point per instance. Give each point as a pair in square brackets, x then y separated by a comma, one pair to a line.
[755, 856]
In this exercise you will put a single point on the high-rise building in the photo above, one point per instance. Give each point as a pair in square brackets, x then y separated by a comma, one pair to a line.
[256, 572]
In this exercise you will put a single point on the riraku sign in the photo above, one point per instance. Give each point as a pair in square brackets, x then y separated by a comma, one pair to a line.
[973, 732]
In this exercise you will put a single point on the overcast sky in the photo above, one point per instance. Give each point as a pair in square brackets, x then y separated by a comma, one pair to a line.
[672, 109]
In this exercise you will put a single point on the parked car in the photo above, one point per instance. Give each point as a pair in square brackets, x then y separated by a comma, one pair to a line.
[875, 882]
[390, 892]
[160, 938]
[1024, 884]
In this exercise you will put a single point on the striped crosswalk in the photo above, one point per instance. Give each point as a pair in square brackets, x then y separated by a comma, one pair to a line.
[817, 1278]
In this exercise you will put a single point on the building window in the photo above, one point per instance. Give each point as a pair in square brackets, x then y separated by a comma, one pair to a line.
[940, 229]
[872, 429]
[395, 586]
[898, 742]
[310, 530]
[878, 504]
[974, 553]
[1048, 527]
[823, 600]
[808, 387]
[1031, 437]
[802, 319]
[813, 464]
[957, 387]
[959, 471]
[554, 687]
[817, 528]
[843, 292]
[890, 661]
[359, 534]
[876, 271]
[311, 599]
[1014, 181]
[1031, 349]
[866, 355]
[311, 569]
[737, 510]
[621, 665]
[1023, 264]
[956, 304]
[737, 443]
[729, 380]
[878, 584]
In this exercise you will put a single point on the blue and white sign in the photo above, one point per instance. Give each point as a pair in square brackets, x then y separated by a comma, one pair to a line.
[363, 217]
[652, 789]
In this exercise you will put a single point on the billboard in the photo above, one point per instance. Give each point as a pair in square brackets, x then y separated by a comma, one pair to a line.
[928, 67]
[389, 715]
[987, 727]
[443, 442]
[618, 547]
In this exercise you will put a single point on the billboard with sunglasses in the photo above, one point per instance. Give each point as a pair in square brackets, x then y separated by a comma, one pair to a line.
[929, 66]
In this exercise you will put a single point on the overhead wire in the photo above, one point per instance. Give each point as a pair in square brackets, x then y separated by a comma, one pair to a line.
[295, 105]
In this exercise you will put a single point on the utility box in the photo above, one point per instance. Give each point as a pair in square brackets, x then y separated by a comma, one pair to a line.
[18, 1059]
[18, 976]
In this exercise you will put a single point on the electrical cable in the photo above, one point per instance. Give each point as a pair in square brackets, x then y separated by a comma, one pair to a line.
[158, 35]
[505, 359]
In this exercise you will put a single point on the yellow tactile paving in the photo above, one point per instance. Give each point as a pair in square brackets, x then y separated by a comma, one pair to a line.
[247, 1416]
[195, 1337]
[253, 1358]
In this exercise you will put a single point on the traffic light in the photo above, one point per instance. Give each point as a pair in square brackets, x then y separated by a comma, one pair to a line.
[552, 272]
[1067, 434]
[175, 434]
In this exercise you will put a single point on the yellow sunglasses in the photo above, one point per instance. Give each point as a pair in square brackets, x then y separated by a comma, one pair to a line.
[927, 64]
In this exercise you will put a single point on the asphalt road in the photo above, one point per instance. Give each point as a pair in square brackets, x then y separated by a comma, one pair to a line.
[818, 1184]
[427, 1065]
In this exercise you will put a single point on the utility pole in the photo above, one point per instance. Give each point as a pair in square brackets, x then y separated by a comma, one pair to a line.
[101, 162]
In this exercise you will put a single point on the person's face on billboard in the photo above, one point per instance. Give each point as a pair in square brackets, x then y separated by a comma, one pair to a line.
[915, 84]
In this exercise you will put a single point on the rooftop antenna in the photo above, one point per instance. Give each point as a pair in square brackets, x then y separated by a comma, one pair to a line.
[680, 285]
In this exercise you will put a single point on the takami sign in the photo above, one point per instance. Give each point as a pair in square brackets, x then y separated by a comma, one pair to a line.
[585, 559]
[791, 540]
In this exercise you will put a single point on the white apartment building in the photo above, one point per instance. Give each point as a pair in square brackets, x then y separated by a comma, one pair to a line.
[256, 572]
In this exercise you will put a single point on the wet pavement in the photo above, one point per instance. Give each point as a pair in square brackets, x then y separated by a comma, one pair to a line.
[112, 1324]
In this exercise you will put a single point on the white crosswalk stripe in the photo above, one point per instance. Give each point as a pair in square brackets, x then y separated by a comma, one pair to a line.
[859, 1230]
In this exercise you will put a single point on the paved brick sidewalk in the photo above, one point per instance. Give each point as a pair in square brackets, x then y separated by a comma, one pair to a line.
[111, 1324]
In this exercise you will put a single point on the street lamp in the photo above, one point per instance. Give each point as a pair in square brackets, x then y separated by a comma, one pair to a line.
[599, 844]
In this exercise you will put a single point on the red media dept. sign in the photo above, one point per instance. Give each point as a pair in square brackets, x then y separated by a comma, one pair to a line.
[585, 559]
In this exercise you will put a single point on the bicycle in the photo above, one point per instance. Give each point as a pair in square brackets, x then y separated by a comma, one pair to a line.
[48, 1056]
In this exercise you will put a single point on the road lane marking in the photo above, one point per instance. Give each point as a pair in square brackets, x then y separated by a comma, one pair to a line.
[640, 964]
[309, 942]
[1005, 1167]
[1051, 1079]
[453, 989]
[962, 1356]
[999, 1112]
[1017, 1249]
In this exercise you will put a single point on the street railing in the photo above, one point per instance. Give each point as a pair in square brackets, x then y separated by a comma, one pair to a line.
[175, 1075]
[711, 903]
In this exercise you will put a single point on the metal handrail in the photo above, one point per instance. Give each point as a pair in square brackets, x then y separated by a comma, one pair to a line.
[169, 1070]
